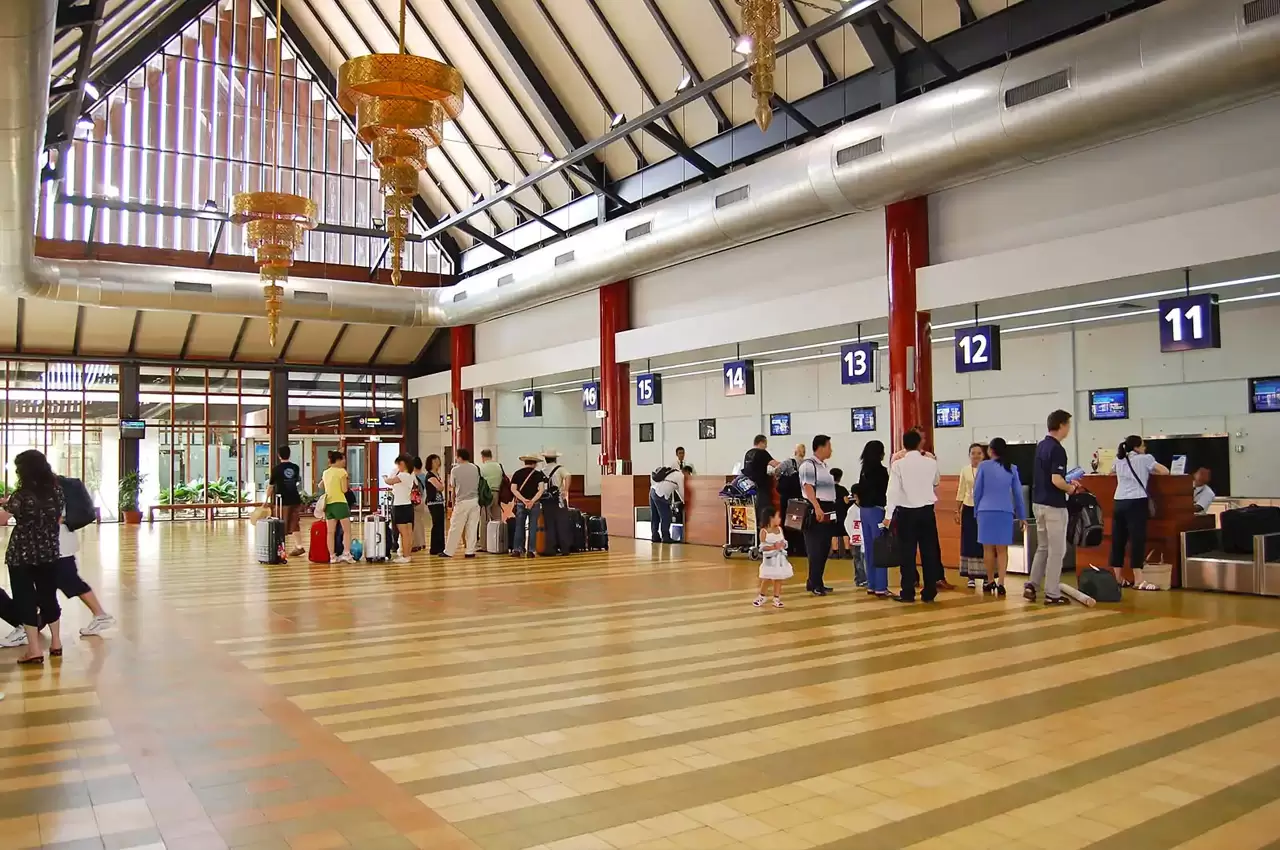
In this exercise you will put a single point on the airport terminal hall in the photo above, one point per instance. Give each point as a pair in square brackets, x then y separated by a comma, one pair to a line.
[640, 424]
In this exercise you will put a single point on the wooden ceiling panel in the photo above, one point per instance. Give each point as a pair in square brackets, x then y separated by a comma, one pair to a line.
[104, 330]
[312, 342]
[48, 327]
[8, 323]
[255, 346]
[404, 345]
[213, 337]
[160, 333]
[358, 344]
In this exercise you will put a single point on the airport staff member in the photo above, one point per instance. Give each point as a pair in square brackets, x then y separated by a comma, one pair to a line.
[1202, 494]
[686, 468]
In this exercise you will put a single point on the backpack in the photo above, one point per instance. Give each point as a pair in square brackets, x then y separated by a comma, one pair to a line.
[484, 493]
[661, 473]
[789, 479]
[77, 504]
[504, 489]
[1100, 584]
[552, 493]
[1084, 523]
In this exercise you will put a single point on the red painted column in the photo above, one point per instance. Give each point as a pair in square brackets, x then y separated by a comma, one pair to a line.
[910, 362]
[463, 351]
[615, 398]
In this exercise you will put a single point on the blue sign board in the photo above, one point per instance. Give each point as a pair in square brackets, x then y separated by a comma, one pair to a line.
[648, 389]
[858, 363]
[483, 411]
[862, 419]
[591, 396]
[1190, 323]
[948, 414]
[978, 349]
[532, 403]
[1264, 395]
[1109, 404]
[780, 425]
[739, 378]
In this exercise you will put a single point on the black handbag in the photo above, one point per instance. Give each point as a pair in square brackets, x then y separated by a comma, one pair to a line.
[1100, 584]
[886, 549]
[799, 515]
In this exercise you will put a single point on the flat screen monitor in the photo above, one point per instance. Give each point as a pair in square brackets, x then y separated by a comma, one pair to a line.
[1109, 404]
[1264, 395]
[780, 425]
[948, 414]
[133, 429]
[862, 419]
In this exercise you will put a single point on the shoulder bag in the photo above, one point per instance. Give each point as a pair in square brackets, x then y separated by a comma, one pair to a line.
[1151, 503]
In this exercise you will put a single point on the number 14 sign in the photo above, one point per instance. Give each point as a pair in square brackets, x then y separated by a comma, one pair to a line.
[1190, 323]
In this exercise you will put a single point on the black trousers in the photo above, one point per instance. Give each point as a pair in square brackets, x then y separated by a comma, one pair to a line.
[1129, 527]
[437, 528]
[817, 545]
[35, 594]
[918, 530]
[555, 518]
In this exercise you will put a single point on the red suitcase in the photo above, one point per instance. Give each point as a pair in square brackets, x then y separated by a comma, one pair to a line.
[319, 551]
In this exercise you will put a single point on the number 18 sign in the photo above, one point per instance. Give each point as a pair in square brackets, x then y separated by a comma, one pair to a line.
[1190, 323]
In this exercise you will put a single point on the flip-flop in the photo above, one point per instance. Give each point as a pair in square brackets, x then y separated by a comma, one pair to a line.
[1146, 585]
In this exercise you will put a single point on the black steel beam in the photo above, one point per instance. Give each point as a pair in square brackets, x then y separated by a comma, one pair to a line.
[476, 233]
[321, 74]
[917, 41]
[778, 103]
[829, 24]
[632, 67]
[337, 340]
[815, 49]
[434, 357]
[89, 19]
[72, 15]
[528, 74]
[554, 228]
[377, 264]
[133, 334]
[791, 111]
[581, 173]
[567, 47]
[991, 41]
[19, 321]
[685, 152]
[669, 33]
[967, 14]
[186, 339]
[126, 360]
[217, 242]
[881, 47]
[75, 338]
[288, 341]
[235, 346]
[382, 343]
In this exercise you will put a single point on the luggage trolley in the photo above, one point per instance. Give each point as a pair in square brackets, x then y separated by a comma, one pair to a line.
[740, 519]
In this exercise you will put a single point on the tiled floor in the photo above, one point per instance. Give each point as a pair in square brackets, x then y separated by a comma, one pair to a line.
[631, 699]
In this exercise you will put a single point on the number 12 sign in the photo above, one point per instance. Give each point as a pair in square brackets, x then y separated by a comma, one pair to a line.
[978, 349]
[1190, 323]
[858, 363]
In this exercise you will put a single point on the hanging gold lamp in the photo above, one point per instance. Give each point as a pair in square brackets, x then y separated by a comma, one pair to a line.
[400, 103]
[761, 22]
[275, 223]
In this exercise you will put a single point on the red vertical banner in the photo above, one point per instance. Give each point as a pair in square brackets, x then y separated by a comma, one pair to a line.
[910, 360]
[615, 400]
[463, 351]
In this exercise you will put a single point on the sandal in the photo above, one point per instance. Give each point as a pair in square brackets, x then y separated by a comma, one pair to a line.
[1000, 590]
[759, 601]
[1125, 583]
[777, 602]
[33, 660]
[1146, 585]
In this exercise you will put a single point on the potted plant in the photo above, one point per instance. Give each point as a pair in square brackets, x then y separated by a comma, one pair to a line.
[130, 491]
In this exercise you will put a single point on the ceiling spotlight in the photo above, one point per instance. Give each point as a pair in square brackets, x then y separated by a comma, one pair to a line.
[110, 191]
[617, 121]
[84, 122]
[685, 82]
[379, 223]
[210, 205]
[546, 157]
[476, 197]
[91, 90]
[743, 45]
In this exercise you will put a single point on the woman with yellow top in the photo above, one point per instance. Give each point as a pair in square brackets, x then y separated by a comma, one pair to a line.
[336, 510]
[971, 563]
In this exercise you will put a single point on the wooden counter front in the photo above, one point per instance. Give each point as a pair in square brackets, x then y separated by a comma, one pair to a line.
[704, 513]
[620, 495]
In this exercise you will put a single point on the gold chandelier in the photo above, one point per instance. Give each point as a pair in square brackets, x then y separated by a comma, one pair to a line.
[761, 24]
[275, 222]
[400, 103]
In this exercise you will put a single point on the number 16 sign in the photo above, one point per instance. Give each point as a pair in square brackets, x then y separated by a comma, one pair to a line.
[1189, 323]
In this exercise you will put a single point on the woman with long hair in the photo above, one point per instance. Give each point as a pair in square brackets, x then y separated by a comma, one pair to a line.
[998, 505]
[971, 557]
[421, 518]
[872, 492]
[401, 483]
[337, 510]
[1133, 468]
[36, 507]
[433, 497]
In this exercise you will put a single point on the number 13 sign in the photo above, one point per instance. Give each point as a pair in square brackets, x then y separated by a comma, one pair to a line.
[1190, 323]
[978, 349]
[858, 363]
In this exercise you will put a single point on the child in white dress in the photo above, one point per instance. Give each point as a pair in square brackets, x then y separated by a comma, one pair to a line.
[774, 567]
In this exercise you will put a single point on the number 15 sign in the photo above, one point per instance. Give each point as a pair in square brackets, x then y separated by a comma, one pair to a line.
[1190, 323]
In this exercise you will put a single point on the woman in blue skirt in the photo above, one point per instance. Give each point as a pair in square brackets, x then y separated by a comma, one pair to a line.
[872, 489]
[998, 504]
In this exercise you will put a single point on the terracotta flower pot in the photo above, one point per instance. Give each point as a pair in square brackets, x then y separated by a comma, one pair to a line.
[132, 517]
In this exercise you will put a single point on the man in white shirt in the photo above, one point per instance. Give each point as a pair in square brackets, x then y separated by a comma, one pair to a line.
[1202, 494]
[913, 482]
[681, 464]
[661, 494]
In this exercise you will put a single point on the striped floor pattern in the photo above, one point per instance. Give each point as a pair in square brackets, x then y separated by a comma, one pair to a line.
[629, 699]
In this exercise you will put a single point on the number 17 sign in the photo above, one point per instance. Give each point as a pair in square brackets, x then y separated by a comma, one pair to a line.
[1190, 323]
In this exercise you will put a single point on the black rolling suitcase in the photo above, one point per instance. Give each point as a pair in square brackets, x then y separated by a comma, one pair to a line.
[577, 530]
[1240, 525]
[597, 534]
[511, 535]
[268, 538]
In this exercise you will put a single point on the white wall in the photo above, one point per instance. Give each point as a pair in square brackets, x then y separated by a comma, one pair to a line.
[1192, 393]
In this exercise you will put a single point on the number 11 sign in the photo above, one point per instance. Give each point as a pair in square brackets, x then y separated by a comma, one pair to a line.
[1190, 323]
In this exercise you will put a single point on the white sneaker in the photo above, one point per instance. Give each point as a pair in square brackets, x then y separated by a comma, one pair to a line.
[345, 559]
[17, 637]
[399, 559]
[98, 625]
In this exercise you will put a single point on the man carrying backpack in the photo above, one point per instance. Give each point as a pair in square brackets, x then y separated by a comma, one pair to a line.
[668, 485]
[555, 505]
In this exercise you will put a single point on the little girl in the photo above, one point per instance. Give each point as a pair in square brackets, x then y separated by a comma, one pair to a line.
[775, 568]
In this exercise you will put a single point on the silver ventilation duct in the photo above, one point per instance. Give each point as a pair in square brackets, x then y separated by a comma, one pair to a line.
[1178, 60]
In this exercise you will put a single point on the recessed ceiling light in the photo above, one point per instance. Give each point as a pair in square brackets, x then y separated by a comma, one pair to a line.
[476, 197]
[743, 45]
[617, 121]
[546, 157]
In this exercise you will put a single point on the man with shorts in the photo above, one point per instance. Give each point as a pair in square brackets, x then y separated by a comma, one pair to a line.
[284, 483]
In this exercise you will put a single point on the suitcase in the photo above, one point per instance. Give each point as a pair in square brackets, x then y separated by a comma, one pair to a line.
[577, 531]
[1239, 527]
[268, 538]
[318, 553]
[377, 540]
[495, 536]
[511, 533]
[597, 534]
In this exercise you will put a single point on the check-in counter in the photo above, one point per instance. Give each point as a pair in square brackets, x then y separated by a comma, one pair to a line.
[704, 513]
